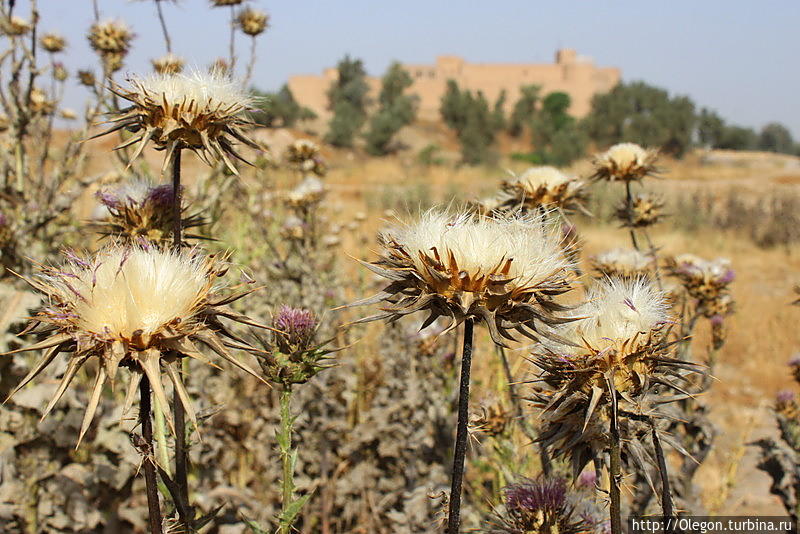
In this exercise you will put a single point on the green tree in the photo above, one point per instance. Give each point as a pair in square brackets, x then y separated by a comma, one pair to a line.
[347, 98]
[710, 128]
[396, 110]
[644, 114]
[775, 137]
[557, 137]
[279, 109]
[738, 138]
[473, 120]
[498, 113]
[524, 109]
[453, 106]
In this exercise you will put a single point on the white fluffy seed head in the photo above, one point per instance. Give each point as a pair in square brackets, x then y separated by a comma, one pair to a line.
[208, 90]
[480, 244]
[626, 155]
[544, 176]
[616, 311]
[716, 268]
[128, 289]
[624, 258]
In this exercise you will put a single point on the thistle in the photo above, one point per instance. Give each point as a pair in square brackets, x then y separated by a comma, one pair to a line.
[86, 78]
[138, 308]
[110, 37]
[308, 193]
[225, 3]
[304, 155]
[501, 270]
[706, 281]
[52, 42]
[623, 263]
[604, 392]
[15, 26]
[142, 213]
[625, 162]
[252, 21]
[200, 112]
[168, 64]
[543, 186]
[644, 210]
[540, 506]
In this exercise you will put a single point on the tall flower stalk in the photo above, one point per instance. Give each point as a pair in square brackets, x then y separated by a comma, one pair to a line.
[501, 270]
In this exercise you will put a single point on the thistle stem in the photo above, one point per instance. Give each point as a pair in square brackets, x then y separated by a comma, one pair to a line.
[233, 40]
[251, 63]
[285, 444]
[629, 210]
[614, 469]
[178, 412]
[163, 27]
[149, 467]
[666, 494]
[460, 451]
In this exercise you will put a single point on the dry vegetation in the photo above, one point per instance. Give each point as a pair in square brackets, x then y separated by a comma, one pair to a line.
[298, 416]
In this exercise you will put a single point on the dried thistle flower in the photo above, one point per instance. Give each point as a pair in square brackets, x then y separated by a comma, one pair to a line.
[225, 3]
[133, 307]
[68, 114]
[540, 506]
[52, 42]
[308, 193]
[304, 155]
[623, 263]
[168, 64]
[59, 71]
[295, 356]
[625, 162]
[622, 349]
[198, 111]
[645, 210]
[704, 280]
[86, 78]
[15, 26]
[6, 232]
[543, 186]
[502, 270]
[40, 103]
[220, 66]
[141, 212]
[492, 420]
[110, 37]
[252, 21]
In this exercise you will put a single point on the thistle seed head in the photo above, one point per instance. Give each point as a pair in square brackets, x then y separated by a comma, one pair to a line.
[645, 210]
[111, 37]
[619, 347]
[15, 26]
[543, 186]
[225, 3]
[199, 111]
[707, 281]
[168, 64]
[53, 42]
[308, 193]
[304, 155]
[252, 21]
[133, 307]
[625, 162]
[59, 72]
[623, 263]
[86, 78]
[39, 102]
[502, 270]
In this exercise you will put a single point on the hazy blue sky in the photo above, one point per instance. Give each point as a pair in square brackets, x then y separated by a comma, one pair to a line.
[739, 57]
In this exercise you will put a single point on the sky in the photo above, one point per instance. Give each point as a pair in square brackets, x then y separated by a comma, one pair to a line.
[738, 57]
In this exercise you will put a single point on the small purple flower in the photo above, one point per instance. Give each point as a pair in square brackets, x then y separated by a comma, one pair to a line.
[795, 361]
[297, 328]
[531, 496]
[108, 199]
[161, 196]
[784, 396]
[717, 320]
[728, 277]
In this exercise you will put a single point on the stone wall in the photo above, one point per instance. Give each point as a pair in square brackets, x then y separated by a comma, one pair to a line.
[572, 74]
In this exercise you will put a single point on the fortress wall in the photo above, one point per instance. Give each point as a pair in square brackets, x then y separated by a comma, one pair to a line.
[579, 78]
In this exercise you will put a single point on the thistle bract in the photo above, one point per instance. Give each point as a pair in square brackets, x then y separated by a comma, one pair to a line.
[624, 162]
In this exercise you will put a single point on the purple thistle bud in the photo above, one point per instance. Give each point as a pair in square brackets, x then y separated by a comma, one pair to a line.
[728, 277]
[795, 361]
[533, 496]
[297, 327]
[717, 320]
[108, 199]
[161, 196]
[784, 396]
